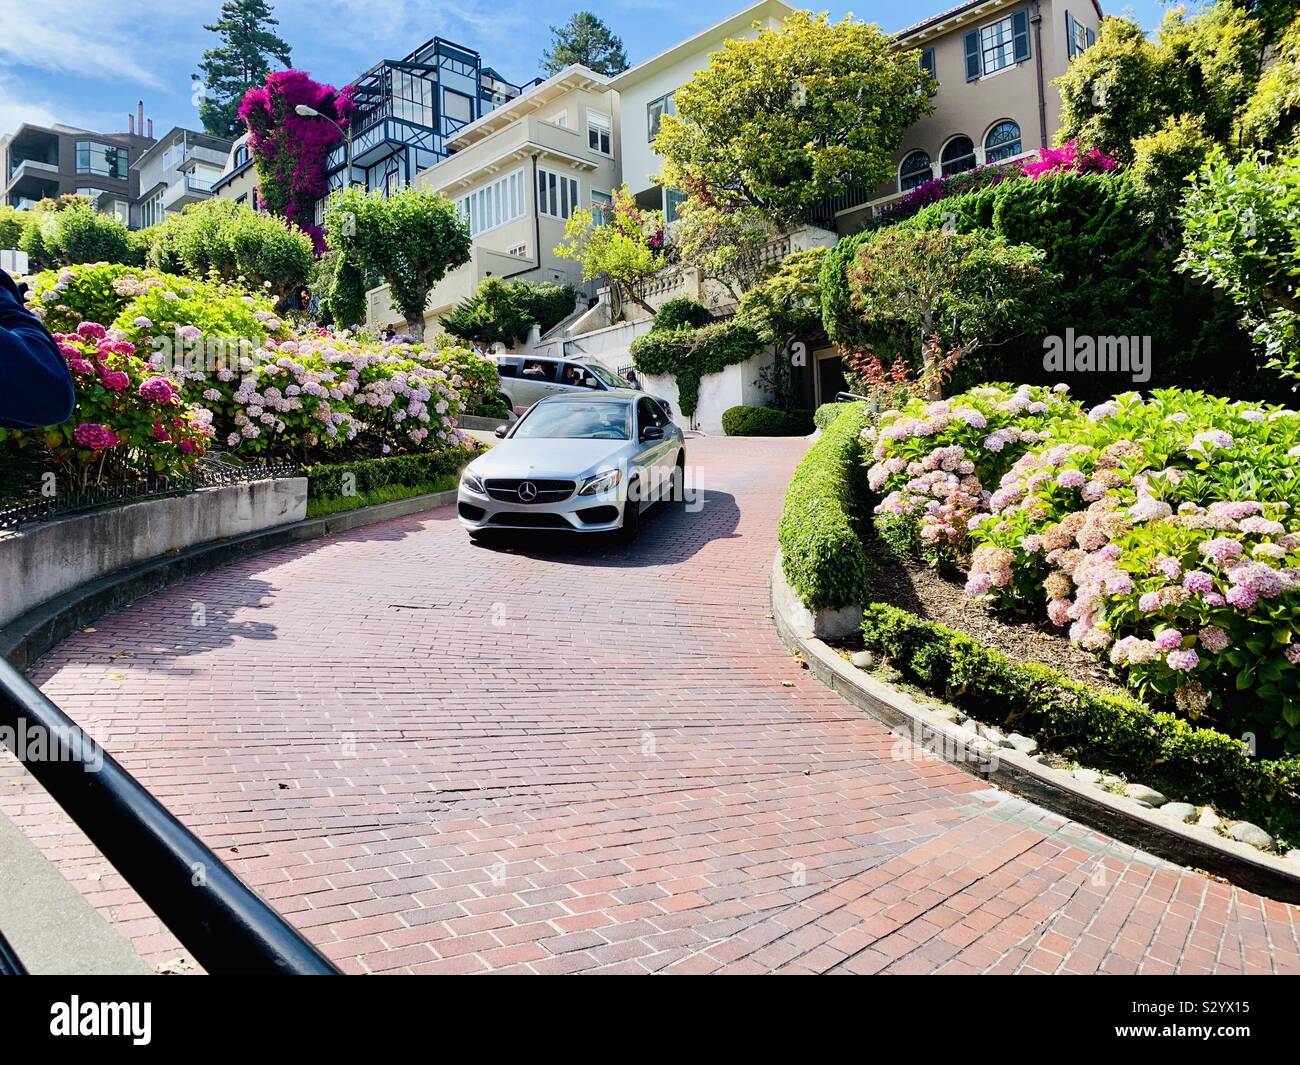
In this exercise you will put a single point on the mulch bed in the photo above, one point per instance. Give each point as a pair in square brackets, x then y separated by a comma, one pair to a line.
[919, 589]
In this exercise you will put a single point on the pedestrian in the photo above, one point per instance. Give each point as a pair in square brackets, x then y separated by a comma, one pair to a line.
[632, 380]
[35, 382]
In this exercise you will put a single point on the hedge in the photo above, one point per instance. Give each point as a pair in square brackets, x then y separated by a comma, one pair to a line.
[821, 551]
[325, 480]
[1109, 731]
[827, 413]
[766, 421]
[682, 312]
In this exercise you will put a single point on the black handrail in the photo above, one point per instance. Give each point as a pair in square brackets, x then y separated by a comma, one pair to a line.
[9, 963]
[220, 920]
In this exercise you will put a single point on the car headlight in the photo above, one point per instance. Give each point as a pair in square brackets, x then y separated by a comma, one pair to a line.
[473, 483]
[601, 482]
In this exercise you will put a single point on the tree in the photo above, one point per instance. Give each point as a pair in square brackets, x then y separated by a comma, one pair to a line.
[784, 120]
[1271, 118]
[586, 40]
[957, 293]
[502, 312]
[1128, 86]
[724, 245]
[243, 60]
[1241, 233]
[409, 239]
[346, 300]
[626, 251]
[782, 308]
[82, 235]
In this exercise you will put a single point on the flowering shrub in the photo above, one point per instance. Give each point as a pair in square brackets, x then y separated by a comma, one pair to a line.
[1066, 159]
[128, 422]
[1162, 532]
[886, 388]
[96, 292]
[291, 149]
[934, 461]
[940, 188]
[197, 321]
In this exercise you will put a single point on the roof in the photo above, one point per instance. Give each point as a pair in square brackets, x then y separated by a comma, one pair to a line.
[948, 20]
[741, 20]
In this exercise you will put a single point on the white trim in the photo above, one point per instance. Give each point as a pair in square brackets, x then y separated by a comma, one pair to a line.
[505, 201]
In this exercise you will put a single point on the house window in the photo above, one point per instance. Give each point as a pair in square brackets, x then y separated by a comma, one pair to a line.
[241, 155]
[602, 205]
[927, 64]
[958, 155]
[519, 251]
[599, 137]
[557, 194]
[1078, 38]
[457, 108]
[104, 159]
[1002, 142]
[494, 205]
[673, 199]
[560, 119]
[914, 171]
[412, 98]
[655, 111]
[997, 46]
[152, 211]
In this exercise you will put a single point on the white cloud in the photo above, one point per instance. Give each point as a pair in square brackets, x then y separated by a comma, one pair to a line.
[89, 38]
[15, 109]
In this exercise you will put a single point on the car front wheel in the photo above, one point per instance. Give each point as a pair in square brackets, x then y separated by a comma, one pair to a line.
[631, 519]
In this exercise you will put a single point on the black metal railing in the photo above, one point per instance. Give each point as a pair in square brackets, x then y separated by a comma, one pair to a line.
[222, 922]
[211, 472]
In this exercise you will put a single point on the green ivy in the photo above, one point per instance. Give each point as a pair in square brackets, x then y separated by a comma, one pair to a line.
[690, 354]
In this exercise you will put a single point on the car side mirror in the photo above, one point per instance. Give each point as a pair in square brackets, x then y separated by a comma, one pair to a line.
[500, 431]
[652, 432]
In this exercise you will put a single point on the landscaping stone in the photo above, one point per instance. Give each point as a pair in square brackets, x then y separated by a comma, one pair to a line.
[1110, 780]
[1293, 855]
[864, 660]
[1145, 795]
[1245, 832]
[1209, 819]
[1180, 811]
[1023, 744]
[1087, 776]
[949, 714]
[993, 735]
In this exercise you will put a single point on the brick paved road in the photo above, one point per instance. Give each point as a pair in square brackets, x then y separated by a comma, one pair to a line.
[436, 757]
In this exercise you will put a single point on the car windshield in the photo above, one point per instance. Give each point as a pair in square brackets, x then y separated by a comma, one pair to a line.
[604, 376]
[576, 421]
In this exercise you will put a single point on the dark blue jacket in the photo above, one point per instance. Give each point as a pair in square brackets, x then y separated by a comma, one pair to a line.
[35, 383]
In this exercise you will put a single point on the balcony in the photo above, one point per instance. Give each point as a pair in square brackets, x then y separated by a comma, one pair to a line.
[508, 146]
[182, 193]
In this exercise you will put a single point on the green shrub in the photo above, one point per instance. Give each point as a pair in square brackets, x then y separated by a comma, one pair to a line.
[681, 313]
[821, 550]
[765, 421]
[1109, 731]
[690, 354]
[827, 413]
[328, 480]
[503, 312]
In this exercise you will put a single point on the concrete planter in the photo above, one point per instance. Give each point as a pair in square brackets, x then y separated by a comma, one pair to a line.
[41, 562]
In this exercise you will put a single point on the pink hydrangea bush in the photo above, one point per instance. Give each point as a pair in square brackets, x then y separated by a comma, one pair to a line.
[1163, 533]
[128, 422]
[933, 462]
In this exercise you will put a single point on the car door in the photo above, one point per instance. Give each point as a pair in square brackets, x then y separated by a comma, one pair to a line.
[536, 380]
[656, 457]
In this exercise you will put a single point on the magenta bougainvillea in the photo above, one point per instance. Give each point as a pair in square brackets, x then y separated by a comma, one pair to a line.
[1068, 159]
[291, 149]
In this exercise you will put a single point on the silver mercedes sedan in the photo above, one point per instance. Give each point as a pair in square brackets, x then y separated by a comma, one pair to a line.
[587, 463]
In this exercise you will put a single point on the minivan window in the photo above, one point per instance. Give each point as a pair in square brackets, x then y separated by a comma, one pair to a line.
[539, 370]
[601, 374]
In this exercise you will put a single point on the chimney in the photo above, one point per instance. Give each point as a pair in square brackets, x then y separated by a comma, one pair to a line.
[130, 123]
[139, 116]
[151, 129]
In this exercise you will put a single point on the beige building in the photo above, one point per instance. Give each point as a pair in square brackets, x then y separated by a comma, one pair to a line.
[518, 174]
[994, 61]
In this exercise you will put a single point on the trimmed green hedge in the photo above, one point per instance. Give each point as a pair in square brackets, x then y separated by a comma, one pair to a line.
[821, 551]
[681, 312]
[766, 421]
[827, 413]
[325, 481]
[1109, 731]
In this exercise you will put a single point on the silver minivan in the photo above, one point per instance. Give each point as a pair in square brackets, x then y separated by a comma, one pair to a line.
[525, 379]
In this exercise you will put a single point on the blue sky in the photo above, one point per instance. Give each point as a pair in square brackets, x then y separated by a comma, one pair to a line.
[86, 62]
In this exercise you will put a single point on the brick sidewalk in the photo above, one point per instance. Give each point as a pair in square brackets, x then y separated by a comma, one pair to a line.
[437, 757]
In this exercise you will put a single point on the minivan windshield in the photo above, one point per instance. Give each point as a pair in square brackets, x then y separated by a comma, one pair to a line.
[604, 376]
[576, 421]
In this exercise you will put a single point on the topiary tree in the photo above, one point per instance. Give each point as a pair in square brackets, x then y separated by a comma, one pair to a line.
[502, 312]
[625, 252]
[792, 116]
[409, 239]
[956, 293]
[346, 299]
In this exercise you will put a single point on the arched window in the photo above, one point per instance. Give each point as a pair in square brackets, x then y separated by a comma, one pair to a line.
[958, 155]
[914, 171]
[1002, 142]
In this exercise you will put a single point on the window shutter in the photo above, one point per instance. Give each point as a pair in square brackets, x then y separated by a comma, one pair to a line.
[1020, 33]
[972, 55]
[1070, 50]
[1092, 38]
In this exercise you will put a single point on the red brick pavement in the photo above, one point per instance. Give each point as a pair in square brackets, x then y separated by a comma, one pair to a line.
[438, 757]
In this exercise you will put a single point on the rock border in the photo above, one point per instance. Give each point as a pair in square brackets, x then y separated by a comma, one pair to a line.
[1054, 789]
[30, 636]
